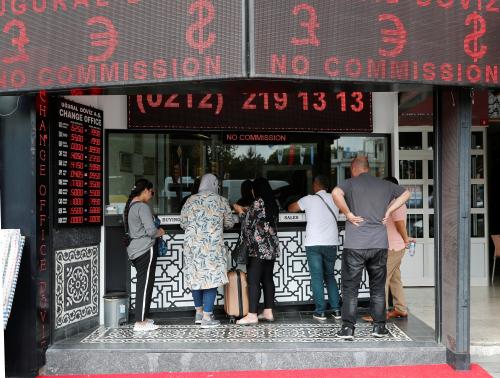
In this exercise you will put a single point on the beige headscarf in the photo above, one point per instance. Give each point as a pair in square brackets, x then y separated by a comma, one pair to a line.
[209, 183]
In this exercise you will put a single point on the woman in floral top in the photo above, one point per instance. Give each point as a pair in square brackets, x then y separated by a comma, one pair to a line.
[203, 218]
[261, 236]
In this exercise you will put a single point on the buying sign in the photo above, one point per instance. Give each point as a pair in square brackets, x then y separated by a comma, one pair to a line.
[55, 44]
[450, 42]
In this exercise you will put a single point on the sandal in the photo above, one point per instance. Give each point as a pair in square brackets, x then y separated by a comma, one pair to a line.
[246, 322]
[262, 317]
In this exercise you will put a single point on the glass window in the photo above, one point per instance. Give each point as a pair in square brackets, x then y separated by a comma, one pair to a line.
[415, 225]
[174, 162]
[477, 167]
[416, 200]
[431, 225]
[346, 148]
[477, 194]
[410, 141]
[477, 140]
[477, 226]
[431, 196]
[410, 169]
[430, 169]
[430, 140]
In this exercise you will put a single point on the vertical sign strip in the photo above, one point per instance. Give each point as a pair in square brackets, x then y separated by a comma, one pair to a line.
[42, 226]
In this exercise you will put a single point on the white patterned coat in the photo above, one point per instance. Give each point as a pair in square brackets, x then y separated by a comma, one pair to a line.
[204, 217]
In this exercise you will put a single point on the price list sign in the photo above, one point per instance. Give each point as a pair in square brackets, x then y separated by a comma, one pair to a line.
[78, 156]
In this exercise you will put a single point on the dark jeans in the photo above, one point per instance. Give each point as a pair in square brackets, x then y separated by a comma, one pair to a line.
[353, 262]
[145, 266]
[260, 272]
[205, 298]
[321, 261]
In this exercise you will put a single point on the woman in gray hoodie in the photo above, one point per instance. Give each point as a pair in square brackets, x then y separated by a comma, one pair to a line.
[142, 232]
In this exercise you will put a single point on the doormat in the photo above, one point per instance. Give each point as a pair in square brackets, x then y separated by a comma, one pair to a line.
[417, 371]
[229, 333]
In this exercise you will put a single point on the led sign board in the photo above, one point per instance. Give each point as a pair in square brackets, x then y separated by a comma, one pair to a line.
[450, 42]
[78, 159]
[55, 44]
[256, 111]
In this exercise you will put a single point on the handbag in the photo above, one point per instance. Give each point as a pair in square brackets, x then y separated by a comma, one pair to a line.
[240, 252]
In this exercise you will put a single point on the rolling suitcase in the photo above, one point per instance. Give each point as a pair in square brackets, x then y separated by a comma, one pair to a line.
[236, 295]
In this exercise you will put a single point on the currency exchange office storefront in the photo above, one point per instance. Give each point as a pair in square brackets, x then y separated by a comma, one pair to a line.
[285, 66]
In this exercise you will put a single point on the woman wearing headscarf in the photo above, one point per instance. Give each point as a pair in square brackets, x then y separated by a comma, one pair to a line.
[204, 217]
[143, 233]
[259, 229]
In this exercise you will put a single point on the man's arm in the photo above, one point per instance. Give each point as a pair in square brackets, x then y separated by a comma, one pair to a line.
[401, 228]
[294, 207]
[396, 204]
[339, 199]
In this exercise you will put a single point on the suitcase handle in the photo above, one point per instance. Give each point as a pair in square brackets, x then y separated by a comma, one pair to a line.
[240, 293]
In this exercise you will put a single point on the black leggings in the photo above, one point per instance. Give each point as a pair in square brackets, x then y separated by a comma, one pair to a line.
[259, 272]
[145, 265]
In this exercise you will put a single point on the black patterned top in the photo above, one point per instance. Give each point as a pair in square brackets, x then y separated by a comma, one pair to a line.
[261, 236]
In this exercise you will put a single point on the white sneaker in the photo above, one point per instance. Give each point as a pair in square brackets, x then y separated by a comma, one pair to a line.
[145, 327]
[150, 320]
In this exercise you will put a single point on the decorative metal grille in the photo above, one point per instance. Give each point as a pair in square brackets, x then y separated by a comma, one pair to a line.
[291, 273]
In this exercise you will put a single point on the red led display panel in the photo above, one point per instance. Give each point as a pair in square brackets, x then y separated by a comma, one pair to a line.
[52, 44]
[78, 159]
[261, 110]
[450, 42]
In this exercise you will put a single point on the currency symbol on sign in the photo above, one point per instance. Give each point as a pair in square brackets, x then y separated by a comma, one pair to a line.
[396, 37]
[19, 41]
[475, 51]
[201, 44]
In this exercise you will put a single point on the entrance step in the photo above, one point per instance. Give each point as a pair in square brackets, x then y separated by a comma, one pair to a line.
[285, 344]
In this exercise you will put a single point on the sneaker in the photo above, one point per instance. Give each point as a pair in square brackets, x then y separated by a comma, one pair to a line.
[145, 327]
[346, 333]
[198, 317]
[150, 320]
[336, 315]
[319, 316]
[210, 323]
[379, 330]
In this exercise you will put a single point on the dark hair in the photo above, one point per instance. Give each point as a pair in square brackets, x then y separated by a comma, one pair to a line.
[139, 187]
[262, 190]
[196, 185]
[323, 181]
[394, 180]
[246, 193]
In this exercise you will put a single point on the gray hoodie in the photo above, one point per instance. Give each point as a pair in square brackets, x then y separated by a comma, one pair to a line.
[142, 229]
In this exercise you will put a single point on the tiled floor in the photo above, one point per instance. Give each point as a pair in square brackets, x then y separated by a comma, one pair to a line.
[484, 320]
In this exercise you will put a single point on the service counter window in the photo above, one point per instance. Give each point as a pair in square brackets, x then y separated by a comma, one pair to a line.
[175, 161]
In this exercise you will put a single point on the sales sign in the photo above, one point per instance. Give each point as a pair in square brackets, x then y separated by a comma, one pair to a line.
[55, 44]
[450, 42]
[260, 110]
[78, 159]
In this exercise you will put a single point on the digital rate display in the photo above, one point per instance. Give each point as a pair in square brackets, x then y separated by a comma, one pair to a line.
[79, 170]
[260, 110]
[424, 41]
[50, 44]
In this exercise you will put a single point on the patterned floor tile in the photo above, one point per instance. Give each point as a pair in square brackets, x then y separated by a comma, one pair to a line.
[261, 333]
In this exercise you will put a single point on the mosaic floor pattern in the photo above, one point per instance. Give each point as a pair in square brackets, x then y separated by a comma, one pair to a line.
[262, 333]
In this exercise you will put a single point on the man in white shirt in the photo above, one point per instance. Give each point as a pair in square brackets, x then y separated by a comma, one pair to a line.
[322, 239]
